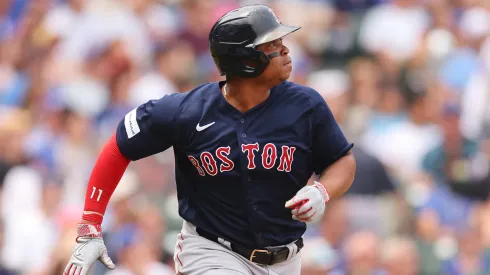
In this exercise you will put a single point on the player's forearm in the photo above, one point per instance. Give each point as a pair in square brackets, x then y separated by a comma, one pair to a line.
[106, 174]
[338, 177]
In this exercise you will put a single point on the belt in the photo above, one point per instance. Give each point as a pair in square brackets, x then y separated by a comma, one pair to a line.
[266, 256]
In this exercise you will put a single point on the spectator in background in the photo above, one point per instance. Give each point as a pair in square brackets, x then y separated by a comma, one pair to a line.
[323, 246]
[372, 185]
[394, 30]
[428, 228]
[14, 82]
[15, 125]
[440, 39]
[471, 259]
[89, 93]
[138, 257]
[175, 63]
[372, 178]
[6, 23]
[364, 76]
[62, 19]
[123, 219]
[3, 269]
[362, 251]
[472, 72]
[153, 228]
[29, 212]
[463, 62]
[104, 23]
[155, 84]
[72, 145]
[354, 6]
[136, 236]
[402, 147]
[340, 42]
[457, 160]
[66, 222]
[334, 86]
[199, 18]
[118, 105]
[400, 256]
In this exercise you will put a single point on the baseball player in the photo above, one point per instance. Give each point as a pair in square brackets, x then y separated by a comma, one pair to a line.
[245, 149]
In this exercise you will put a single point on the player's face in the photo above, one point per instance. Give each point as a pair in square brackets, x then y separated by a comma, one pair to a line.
[280, 67]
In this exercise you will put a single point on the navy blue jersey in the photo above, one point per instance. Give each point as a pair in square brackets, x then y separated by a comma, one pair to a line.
[235, 171]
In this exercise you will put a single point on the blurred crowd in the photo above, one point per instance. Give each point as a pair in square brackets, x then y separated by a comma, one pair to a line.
[407, 80]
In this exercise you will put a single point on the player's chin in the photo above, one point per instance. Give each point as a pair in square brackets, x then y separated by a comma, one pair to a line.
[283, 72]
[285, 75]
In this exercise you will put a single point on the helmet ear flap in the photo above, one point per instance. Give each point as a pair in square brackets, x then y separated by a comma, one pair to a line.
[244, 62]
[264, 59]
[256, 66]
[259, 60]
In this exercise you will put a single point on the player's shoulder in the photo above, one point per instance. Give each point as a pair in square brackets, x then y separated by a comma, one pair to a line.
[300, 92]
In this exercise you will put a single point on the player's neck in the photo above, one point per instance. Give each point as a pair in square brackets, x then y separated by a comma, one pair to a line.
[244, 95]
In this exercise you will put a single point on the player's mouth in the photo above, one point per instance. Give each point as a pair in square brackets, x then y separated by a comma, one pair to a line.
[288, 62]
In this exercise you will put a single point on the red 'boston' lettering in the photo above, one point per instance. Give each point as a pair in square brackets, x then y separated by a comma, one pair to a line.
[196, 164]
[221, 154]
[209, 163]
[287, 157]
[269, 156]
[249, 148]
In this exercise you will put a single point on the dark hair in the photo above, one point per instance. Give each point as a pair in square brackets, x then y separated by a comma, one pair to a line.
[413, 84]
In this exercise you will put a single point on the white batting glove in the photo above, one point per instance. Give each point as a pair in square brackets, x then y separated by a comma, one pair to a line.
[308, 204]
[90, 247]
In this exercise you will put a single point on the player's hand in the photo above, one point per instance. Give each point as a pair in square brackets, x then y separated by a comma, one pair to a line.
[90, 247]
[308, 204]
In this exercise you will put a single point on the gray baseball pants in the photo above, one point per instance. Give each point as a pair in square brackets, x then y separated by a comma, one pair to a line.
[196, 255]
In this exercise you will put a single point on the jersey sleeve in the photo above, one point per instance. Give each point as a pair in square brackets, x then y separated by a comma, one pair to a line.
[150, 128]
[329, 143]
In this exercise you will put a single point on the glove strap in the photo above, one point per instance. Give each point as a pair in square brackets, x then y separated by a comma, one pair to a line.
[323, 191]
[89, 230]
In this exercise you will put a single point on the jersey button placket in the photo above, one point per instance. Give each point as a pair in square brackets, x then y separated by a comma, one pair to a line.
[240, 128]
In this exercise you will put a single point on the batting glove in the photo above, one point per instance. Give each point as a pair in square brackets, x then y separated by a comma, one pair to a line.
[90, 247]
[308, 204]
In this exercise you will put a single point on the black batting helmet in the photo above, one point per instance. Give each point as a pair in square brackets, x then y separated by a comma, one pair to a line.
[234, 37]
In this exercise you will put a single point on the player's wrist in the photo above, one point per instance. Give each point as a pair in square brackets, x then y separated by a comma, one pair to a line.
[323, 191]
[92, 217]
[88, 230]
[83, 221]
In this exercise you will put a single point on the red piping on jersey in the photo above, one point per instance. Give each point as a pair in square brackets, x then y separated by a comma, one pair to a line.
[106, 174]
[180, 247]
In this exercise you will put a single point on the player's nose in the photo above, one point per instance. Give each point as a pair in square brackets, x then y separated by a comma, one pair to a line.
[285, 50]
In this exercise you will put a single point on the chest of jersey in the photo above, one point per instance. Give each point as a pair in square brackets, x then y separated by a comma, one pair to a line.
[270, 139]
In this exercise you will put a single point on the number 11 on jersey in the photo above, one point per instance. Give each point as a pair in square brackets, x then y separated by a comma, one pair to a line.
[93, 193]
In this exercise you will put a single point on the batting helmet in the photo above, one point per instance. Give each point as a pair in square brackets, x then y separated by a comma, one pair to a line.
[234, 37]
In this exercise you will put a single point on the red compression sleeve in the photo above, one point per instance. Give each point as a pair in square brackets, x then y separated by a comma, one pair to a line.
[107, 173]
